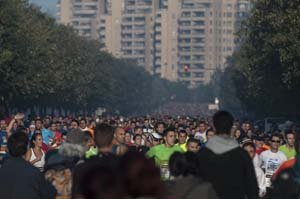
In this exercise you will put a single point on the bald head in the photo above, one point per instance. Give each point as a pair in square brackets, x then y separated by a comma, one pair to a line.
[119, 135]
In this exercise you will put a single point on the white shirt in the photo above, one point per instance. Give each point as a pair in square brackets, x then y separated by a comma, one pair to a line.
[40, 164]
[261, 181]
[270, 163]
[256, 161]
[201, 136]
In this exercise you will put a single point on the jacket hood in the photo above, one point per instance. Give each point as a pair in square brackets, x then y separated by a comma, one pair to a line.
[220, 144]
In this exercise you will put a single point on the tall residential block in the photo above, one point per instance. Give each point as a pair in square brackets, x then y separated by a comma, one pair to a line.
[180, 40]
[82, 15]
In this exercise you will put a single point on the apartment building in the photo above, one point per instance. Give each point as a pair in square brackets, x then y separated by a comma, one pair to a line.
[180, 40]
[82, 15]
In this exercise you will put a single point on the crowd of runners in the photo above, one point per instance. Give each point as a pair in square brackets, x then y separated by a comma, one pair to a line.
[146, 157]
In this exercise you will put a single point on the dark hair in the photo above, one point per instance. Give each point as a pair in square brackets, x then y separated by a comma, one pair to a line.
[223, 122]
[33, 138]
[202, 122]
[167, 130]
[39, 120]
[194, 141]
[249, 144]
[21, 128]
[76, 121]
[17, 144]
[137, 135]
[84, 120]
[137, 127]
[288, 133]
[102, 180]
[210, 129]
[159, 123]
[182, 132]
[87, 136]
[103, 135]
[141, 178]
[276, 135]
[178, 164]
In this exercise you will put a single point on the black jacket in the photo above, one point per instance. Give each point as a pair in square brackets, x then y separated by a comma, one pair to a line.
[20, 180]
[190, 187]
[229, 169]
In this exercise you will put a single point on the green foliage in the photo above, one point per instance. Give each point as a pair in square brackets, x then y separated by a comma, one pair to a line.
[266, 70]
[47, 65]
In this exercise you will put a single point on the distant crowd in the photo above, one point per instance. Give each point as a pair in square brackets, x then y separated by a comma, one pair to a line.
[93, 157]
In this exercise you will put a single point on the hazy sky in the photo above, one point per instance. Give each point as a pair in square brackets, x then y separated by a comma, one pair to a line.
[48, 6]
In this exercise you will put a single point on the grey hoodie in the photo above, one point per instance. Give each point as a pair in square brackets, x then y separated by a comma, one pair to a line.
[220, 144]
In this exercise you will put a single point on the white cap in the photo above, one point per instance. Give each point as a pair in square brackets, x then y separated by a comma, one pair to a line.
[156, 135]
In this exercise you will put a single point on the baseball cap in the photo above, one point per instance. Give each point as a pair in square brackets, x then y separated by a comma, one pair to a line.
[156, 135]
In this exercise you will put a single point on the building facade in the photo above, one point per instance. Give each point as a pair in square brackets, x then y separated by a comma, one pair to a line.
[179, 40]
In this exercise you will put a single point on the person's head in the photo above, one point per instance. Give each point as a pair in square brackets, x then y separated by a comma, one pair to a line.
[193, 145]
[275, 142]
[53, 127]
[88, 139]
[182, 135]
[246, 126]
[250, 148]
[36, 140]
[290, 138]
[178, 165]
[119, 135]
[74, 124]
[83, 123]
[76, 144]
[39, 124]
[156, 138]
[103, 180]
[141, 178]
[209, 134]
[127, 137]
[183, 164]
[138, 130]
[146, 122]
[32, 128]
[17, 144]
[169, 137]
[3, 125]
[202, 126]
[137, 139]
[103, 135]
[160, 127]
[223, 122]
[132, 125]
[237, 133]
[258, 141]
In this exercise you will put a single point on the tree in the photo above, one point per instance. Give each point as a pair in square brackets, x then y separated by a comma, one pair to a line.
[267, 65]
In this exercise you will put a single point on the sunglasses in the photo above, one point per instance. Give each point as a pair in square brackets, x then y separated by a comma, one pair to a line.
[277, 141]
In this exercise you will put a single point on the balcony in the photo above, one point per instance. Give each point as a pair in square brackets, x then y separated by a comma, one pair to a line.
[184, 44]
[85, 12]
[90, 3]
[183, 36]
